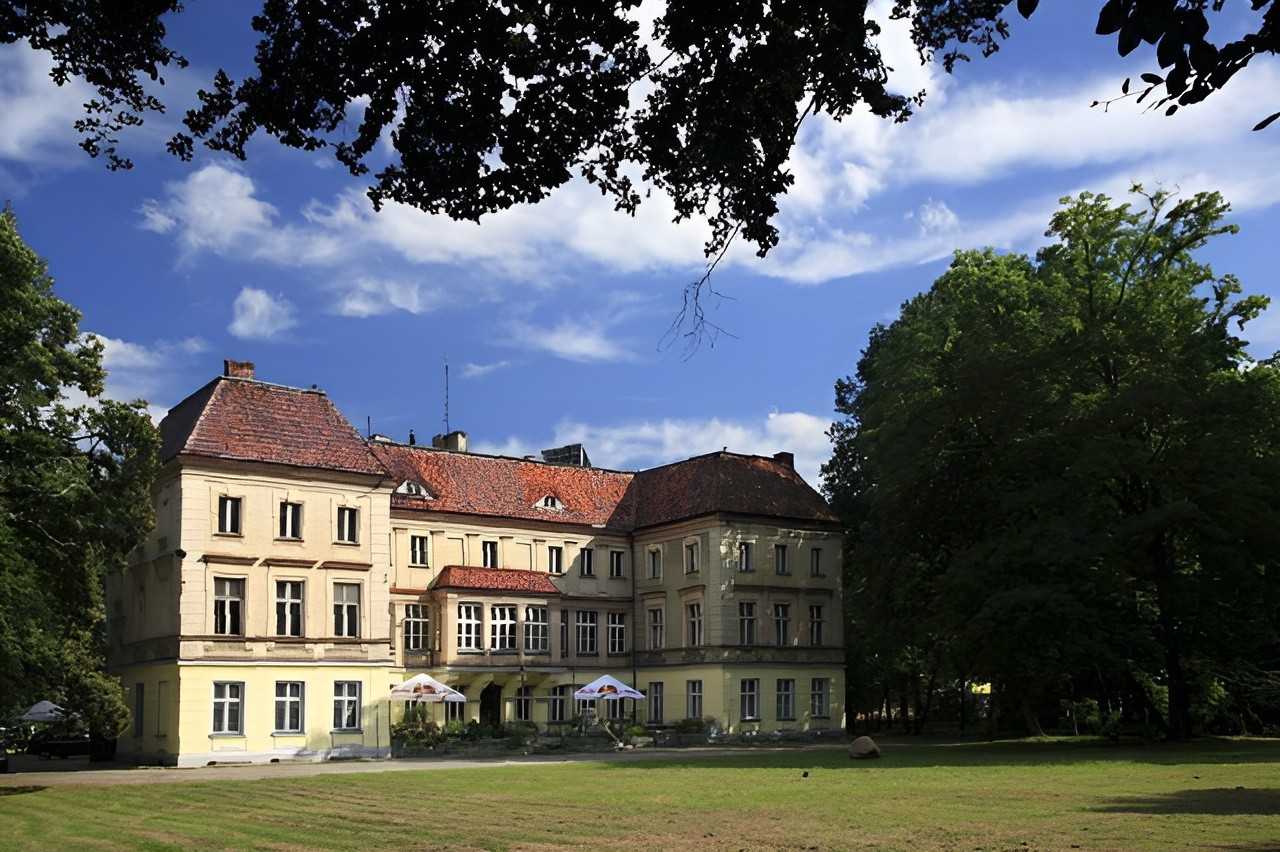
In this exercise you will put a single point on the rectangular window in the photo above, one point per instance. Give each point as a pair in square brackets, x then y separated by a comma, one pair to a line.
[162, 703]
[416, 627]
[228, 606]
[346, 609]
[747, 623]
[587, 562]
[655, 703]
[227, 700]
[786, 706]
[617, 633]
[584, 706]
[489, 554]
[744, 556]
[346, 705]
[469, 623]
[694, 611]
[229, 515]
[502, 628]
[555, 707]
[524, 704]
[655, 564]
[820, 698]
[657, 629]
[749, 699]
[291, 520]
[587, 622]
[455, 711]
[815, 563]
[288, 607]
[418, 550]
[537, 636]
[348, 525]
[690, 558]
[615, 709]
[288, 707]
[139, 704]
[780, 559]
[693, 699]
[555, 560]
[815, 625]
[782, 624]
[564, 633]
[615, 563]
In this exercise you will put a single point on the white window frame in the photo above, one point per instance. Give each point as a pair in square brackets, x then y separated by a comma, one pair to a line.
[816, 622]
[744, 558]
[289, 521]
[748, 633]
[524, 703]
[815, 563]
[617, 564]
[502, 628]
[346, 612]
[346, 705]
[555, 559]
[556, 703]
[781, 566]
[820, 698]
[287, 702]
[420, 551]
[691, 549]
[226, 701]
[617, 633]
[693, 699]
[348, 525]
[587, 562]
[537, 630]
[655, 702]
[455, 711]
[655, 563]
[225, 515]
[657, 628]
[417, 628]
[228, 606]
[785, 699]
[616, 710]
[586, 632]
[782, 624]
[693, 618]
[749, 699]
[470, 626]
[489, 554]
[291, 624]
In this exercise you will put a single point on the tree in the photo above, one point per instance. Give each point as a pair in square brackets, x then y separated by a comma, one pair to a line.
[75, 495]
[1070, 463]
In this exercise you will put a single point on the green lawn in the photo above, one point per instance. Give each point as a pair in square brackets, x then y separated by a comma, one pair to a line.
[1012, 795]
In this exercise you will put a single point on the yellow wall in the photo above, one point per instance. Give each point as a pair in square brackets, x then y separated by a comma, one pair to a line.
[159, 741]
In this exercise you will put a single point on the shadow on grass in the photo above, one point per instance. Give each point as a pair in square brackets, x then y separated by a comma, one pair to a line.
[1220, 801]
[18, 791]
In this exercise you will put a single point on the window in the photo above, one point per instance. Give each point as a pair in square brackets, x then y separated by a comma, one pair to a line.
[418, 550]
[229, 515]
[815, 563]
[583, 706]
[780, 559]
[348, 524]
[162, 701]
[416, 627]
[413, 489]
[489, 554]
[657, 629]
[564, 633]
[782, 623]
[550, 502]
[555, 707]
[617, 633]
[291, 520]
[615, 563]
[555, 560]
[537, 638]
[749, 699]
[744, 556]
[690, 558]
[346, 705]
[695, 624]
[815, 625]
[655, 702]
[587, 562]
[288, 707]
[820, 698]
[288, 607]
[655, 564]
[502, 628]
[524, 704]
[693, 699]
[786, 706]
[139, 703]
[469, 621]
[228, 606]
[346, 609]
[616, 708]
[455, 711]
[747, 623]
[587, 621]
[227, 698]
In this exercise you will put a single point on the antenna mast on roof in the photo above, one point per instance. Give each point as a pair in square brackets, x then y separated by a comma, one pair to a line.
[446, 394]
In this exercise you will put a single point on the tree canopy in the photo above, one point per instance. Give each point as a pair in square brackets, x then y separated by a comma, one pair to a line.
[1060, 474]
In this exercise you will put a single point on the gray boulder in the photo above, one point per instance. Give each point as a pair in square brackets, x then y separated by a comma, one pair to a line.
[863, 748]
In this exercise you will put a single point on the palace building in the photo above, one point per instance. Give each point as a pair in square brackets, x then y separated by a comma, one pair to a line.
[298, 570]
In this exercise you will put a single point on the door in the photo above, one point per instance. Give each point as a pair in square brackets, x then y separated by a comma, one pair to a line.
[491, 705]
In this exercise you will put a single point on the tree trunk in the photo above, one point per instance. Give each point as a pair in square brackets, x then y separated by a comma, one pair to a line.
[1029, 718]
[1179, 717]
[928, 700]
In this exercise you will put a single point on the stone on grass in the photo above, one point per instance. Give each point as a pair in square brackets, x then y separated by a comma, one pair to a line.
[863, 748]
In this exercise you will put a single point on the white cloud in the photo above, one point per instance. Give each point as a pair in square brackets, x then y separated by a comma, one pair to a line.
[936, 217]
[583, 340]
[368, 297]
[258, 315]
[476, 371]
[38, 115]
[141, 371]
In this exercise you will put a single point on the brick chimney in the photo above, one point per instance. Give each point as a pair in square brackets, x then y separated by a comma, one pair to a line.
[237, 369]
[785, 458]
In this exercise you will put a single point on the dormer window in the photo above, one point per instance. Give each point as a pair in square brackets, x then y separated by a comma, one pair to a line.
[551, 502]
[414, 489]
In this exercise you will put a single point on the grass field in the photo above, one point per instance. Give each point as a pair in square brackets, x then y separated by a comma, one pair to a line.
[1222, 794]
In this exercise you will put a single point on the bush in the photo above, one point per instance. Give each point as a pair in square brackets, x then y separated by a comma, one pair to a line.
[415, 734]
[691, 726]
[637, 731]
[454, 729]
[519, 733]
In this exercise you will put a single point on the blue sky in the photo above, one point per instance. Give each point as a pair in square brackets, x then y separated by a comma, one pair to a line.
[551, 316]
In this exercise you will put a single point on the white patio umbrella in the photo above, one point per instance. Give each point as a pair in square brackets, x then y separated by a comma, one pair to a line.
[44, 711]
[607, 688]
[424, 687]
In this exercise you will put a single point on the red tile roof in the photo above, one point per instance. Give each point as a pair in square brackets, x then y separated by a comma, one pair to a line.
[247, 420]
[495, 580]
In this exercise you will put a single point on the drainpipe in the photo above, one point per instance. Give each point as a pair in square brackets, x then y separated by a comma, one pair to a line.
[635, 628]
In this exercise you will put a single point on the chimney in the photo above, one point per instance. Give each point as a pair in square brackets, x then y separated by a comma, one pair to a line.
[237, 369]
[785, 458]
[455, 440]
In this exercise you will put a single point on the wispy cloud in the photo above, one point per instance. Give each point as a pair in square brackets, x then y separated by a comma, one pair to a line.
[258, 315]
[143, 371]
[370, 297]
[476, 371]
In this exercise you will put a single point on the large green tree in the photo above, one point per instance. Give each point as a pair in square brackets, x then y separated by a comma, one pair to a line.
[75, 495]
[1071, 462]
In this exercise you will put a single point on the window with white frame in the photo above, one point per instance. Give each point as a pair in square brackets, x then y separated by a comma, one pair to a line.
[228, 606]
[288, 707]
[615, 563]
[587, 562]
[616, 709]
[489, 554]
[693, 699]
[537, 638]
[583, 706]
[815, 624]
[617, 633]
[587, 622]
[550, 502]
[694, 613]
[502, 627]
[657, 629]
[470, 617]
[556, 704]
[346, 609]
[288, 607]
[228, 704]
[348, 525]
[782, 624]
[820, 698]
[744, 556]
[749, 698]
[780, 565]
[815, 563]
[746, 623]
[564, 633]
[417, 627]
[229, 515]
[418, 555]
[524, 704]
[290, 520]
[555, 559]
[346, 705]
[655, 564]
[690, 558]
[455, 711]
[786, 700]
[655, 702]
